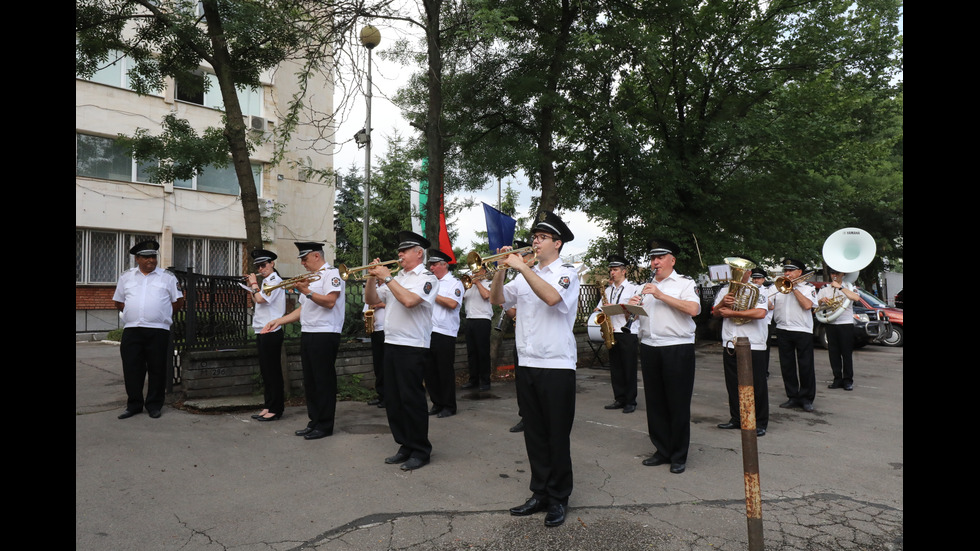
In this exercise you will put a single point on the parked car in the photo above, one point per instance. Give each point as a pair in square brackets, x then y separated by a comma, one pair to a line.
[896, 336]
[872, 324]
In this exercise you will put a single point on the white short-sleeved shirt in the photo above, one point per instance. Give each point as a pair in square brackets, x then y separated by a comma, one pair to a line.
[476, 306]
[316, 318]
[788, 313]
[412, 326]
[444, 320]
[665, 325]
[619, 295]
[148, 298]
[544, 333]
[756, 330]
[827, 291]
[379, 313]
[273, 307]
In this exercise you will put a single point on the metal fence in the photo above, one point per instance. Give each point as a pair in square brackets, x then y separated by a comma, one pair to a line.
[217, 314]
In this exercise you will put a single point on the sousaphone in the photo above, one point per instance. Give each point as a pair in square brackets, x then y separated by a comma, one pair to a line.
[847, 250]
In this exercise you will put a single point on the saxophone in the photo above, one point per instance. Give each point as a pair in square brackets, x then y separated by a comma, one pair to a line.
[369, 321]
[605, 324]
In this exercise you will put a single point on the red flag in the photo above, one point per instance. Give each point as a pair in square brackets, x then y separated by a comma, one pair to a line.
[444, 244]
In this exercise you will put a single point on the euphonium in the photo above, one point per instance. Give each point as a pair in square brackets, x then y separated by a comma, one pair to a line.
[369, 321]
[746, 295]
[605, 324]
[785, 285]
[291, 282]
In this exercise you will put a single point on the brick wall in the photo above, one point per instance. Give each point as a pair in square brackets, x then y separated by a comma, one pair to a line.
[94, 297]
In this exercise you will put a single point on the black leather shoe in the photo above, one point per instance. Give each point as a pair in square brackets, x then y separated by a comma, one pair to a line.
[304, 432]
[316, 434]
[397, 458]
[374, 402]
[629, 408]
[434, 410]
[275, 417]
[519, 427]
[677, 468]
[655, 460]
[615, 405]
[836, 384]
[445, 413]
[154, 414]
[807, 406]
[555, 516]
[414, 463]
[256, 415]
[484, 388]
[729, 425]
[127, 414]
[530, 507]
[789, 404]
[848, 386]
[760, 432]
[468, 385]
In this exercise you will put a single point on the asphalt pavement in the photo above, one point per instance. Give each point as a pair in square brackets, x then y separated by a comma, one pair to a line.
[831, 479]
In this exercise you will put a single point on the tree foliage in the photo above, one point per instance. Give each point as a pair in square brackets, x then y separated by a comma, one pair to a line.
[729, 127]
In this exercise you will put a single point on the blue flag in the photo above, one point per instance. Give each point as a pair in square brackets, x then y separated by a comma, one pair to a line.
[500, 228]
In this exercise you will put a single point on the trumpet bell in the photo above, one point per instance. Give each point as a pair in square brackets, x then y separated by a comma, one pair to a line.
[849, 250]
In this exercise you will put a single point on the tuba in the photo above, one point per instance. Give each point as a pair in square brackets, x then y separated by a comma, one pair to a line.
[605, 324]
[746, 294]
[847, 250]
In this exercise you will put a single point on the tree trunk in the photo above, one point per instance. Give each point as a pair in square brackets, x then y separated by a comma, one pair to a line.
[234, 126]
[433, 126]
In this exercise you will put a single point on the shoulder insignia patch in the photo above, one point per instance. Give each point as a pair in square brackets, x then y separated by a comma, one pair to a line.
[335, 281]
[564, 281]
[427, 287]
[457, 292]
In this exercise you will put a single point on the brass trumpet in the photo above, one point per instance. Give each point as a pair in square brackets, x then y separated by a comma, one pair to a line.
[477, 262]
[291, 282]
[785, 285]
[346, 272]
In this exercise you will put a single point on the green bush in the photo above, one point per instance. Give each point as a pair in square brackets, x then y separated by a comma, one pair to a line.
[350, 389]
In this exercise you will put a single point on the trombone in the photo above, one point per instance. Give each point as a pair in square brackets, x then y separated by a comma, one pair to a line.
[346, 272]
[291, 282]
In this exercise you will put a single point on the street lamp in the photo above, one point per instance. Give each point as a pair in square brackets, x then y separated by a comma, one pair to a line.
[370, 37]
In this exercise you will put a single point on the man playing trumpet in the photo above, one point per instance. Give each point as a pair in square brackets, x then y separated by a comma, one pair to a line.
[794, 337]
[408, 331]
[321, 312]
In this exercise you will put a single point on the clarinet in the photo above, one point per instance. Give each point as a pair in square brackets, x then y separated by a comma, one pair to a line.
[632, 318]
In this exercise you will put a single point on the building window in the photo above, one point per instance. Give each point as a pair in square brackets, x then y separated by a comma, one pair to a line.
[201, 88]
[98, 157]
[221, 180]
[117, 73]
[220, 257]
[101, 255]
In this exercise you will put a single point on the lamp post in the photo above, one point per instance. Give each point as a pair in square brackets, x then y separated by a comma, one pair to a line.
[370, 37]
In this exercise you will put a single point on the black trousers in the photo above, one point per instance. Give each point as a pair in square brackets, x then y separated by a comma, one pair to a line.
[760, 385]
[840, 345]
[622, 368]
[547, 403]
[405, 402]
[440, 375]
[478, 350]
[144, 356]
[668, 384]
[796, 364]
[318, 352]
[378, 355]
[270, 366]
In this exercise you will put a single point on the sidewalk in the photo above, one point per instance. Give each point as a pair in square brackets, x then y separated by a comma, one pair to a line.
[831, 479]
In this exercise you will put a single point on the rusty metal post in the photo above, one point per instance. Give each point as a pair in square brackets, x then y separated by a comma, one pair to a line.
[750, 449]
